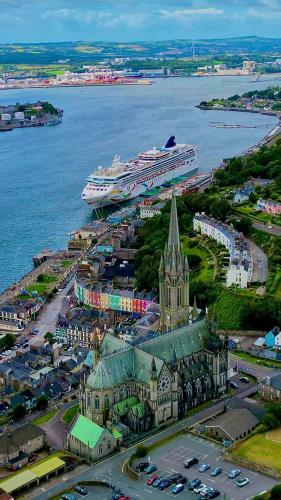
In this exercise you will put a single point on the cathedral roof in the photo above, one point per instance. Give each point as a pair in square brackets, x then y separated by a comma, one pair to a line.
[184, 341]
[119, 367]
[120, 362]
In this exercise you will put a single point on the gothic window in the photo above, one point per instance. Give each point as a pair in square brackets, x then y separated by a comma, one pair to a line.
[115, 399]
[88, 399]
[198, 387]
[128, 392]
[122, 393]
[97, 403]
[179, 297]
[189, 391]
[106, 401]
[100, 449]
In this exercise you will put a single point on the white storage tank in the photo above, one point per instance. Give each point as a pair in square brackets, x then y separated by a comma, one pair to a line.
[19, 115]
[6, 117]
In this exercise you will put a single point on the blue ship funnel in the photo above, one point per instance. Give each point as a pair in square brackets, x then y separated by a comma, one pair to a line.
[171, 142]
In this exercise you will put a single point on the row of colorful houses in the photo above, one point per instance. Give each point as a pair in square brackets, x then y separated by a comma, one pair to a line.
[269, 207]
[117, 300]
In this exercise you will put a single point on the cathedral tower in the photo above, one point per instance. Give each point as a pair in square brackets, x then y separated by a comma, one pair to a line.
[173, 279]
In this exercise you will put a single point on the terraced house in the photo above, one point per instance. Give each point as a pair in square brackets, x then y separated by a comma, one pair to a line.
[156, 382]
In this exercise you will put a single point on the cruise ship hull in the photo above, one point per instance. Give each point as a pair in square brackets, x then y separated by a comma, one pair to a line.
[138, 188]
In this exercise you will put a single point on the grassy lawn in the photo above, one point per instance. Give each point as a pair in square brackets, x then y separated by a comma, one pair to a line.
[262, 450]
[66, 262]
[70, 414]
[45, 418]
[38, 287]
[228, 310]
[206, 271]
[257, 361]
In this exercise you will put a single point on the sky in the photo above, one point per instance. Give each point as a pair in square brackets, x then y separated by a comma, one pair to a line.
[129, 20]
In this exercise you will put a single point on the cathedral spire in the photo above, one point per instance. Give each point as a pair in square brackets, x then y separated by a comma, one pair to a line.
[174, 235]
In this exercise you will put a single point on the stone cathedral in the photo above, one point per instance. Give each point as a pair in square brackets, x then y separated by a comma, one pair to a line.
[159, 380]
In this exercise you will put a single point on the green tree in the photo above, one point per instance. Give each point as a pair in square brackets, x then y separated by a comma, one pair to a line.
[141, 451]
[42, 402]
[40, 278]
[19, 412]
[49, 336]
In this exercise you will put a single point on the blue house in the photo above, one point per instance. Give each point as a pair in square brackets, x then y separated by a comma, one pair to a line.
[271, 337]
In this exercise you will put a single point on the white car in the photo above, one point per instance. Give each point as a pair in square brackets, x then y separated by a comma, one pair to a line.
[199, 488]
[204, 492]
[242, 481]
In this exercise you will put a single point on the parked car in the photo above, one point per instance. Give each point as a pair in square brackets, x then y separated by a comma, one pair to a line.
[204, 467]
[151, 480]
[242, 481]
[177, 489]
[116, 496]
[216, 471]
[81, 489]
[193, 484]
[174, 477]
[150, 468]
[199, 488]
[190, 461]
[164, 484]
[141, 466]
[68, 496]
[182, 480]
[244, 379]
[233, 473]
[205, 491]
[158, 481]
[213, 494]
[233, 384]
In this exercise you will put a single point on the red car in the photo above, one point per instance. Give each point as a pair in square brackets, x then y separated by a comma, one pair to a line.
[151, 480]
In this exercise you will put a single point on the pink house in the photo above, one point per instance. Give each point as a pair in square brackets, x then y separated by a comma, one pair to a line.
[269, 207]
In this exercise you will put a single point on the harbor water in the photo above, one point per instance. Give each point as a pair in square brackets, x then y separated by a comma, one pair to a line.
[43, 170]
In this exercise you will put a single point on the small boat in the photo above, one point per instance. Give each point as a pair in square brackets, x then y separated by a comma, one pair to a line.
[53, 121]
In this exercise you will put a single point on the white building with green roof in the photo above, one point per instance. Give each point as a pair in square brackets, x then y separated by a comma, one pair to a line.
[90, 440]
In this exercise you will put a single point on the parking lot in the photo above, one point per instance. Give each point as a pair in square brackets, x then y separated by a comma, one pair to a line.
[169, 458]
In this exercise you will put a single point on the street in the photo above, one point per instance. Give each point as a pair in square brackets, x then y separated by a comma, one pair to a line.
[274, 230]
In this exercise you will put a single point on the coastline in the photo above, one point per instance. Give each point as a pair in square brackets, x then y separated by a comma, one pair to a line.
[71, 85]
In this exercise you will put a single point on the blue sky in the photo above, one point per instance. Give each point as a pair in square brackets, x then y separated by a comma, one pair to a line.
[127, 20]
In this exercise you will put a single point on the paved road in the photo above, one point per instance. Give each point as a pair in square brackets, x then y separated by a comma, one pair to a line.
[274, 230]
[260, 264]
[261, 372]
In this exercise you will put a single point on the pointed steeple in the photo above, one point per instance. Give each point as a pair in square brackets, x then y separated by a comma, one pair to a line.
[174, 235]
[153, 369]
[194, 312]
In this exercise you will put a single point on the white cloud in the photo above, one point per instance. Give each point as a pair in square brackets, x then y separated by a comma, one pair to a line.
[183, 14]
[265, 15]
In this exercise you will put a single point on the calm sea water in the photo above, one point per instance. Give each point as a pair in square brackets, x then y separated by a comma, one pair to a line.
[43, 170]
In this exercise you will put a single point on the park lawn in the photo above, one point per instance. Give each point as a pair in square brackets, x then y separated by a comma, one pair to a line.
[70, 414]
[45, 418]
[40, 288]
[66, 262]
[206, 273]
[261, 450]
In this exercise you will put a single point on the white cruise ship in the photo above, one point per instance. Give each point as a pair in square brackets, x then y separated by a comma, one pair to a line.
[124, 181]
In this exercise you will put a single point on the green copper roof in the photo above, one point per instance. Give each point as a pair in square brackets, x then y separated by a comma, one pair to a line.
[86, 431]
[122, 407]
[183, 341]
[121, 366]
[116, 434]
[139, 409]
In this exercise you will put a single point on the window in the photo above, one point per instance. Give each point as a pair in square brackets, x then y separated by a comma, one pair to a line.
[106, 401]
[97, 403]
[115, 399]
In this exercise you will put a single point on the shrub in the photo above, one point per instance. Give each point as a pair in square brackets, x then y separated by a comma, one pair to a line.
[276, 492]
[141, 451]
